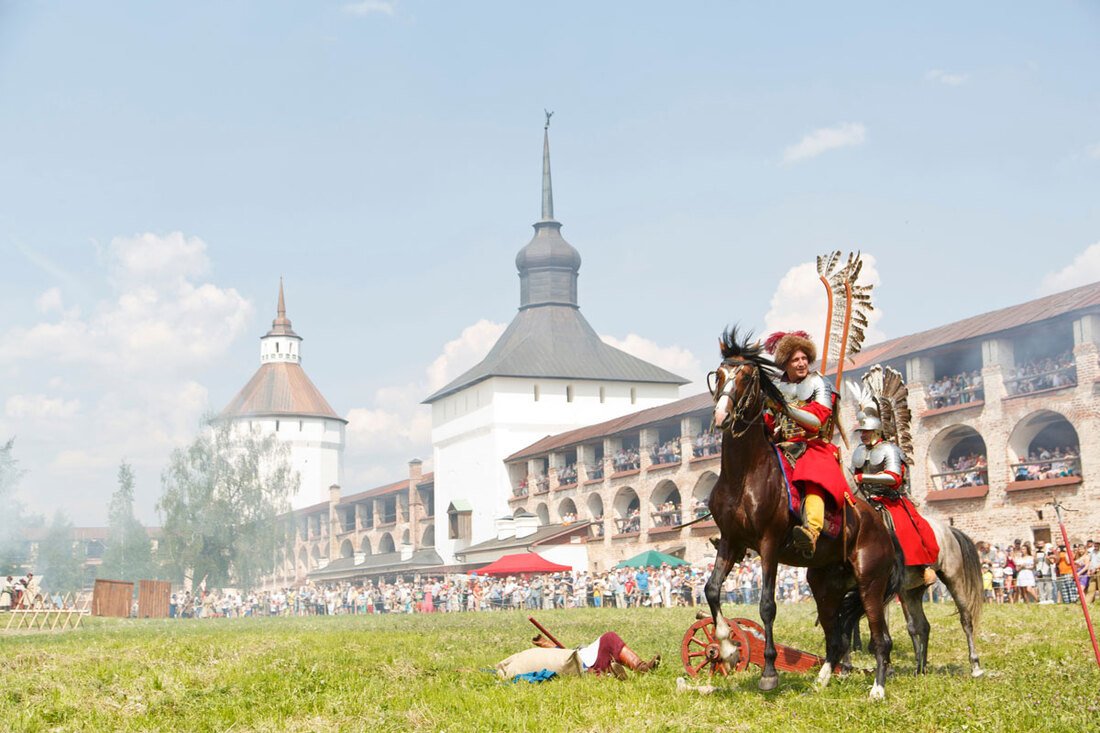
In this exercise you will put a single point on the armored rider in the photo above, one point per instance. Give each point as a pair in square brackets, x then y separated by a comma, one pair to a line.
[882, 475]
[805, 430]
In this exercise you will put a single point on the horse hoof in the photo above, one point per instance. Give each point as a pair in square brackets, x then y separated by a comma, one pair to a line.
[767, 684]
[976, 673]
[878, 692]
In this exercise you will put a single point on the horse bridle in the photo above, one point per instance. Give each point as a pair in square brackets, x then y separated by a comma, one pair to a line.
[739, 407]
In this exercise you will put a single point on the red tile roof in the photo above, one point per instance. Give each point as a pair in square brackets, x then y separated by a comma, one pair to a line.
[680, 408]
[393, 488]
[1084, 298]
[280, 389]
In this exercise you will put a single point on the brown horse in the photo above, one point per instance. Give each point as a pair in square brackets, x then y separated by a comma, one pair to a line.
[849, 575]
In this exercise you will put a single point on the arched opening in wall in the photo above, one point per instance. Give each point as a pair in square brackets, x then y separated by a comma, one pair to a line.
[700, 495]
[346, 549]
[385, 544]
[428, 538]
[543, 513]
[364, 546]
[567, 511]
[665, 505]
[627, 510]
[406, 538]
[595, 514]
[519, 510]
[315, 557]
[1042, 446]
[957, 459]
[303, 563]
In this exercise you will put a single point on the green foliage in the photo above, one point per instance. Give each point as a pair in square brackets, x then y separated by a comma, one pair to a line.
[220, 500]
[426, 673]
[13, 554]
[129, 553]
[60, 561]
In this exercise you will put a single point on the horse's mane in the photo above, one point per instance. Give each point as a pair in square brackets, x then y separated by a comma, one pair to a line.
[735, 348]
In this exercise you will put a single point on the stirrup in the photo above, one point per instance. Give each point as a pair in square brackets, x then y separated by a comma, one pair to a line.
[804, 540]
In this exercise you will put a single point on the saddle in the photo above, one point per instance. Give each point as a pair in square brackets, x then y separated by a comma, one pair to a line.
[834, 517]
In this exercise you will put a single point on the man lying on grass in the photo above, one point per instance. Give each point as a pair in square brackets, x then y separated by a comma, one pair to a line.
[608, 653]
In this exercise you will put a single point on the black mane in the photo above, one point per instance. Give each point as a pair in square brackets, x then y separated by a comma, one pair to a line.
[744, 349]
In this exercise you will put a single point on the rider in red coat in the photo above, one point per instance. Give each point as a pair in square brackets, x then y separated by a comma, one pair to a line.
[808, 420]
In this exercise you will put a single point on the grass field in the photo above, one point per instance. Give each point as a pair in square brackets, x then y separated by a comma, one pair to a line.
[426, 673]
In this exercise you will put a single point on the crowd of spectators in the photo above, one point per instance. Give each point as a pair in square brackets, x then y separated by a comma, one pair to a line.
[667, 452]
[667, 515]
[967, 470]
[1039, 374]
[706, 444]
[567, 474]
[1019, 573]
[632, 522]
[958, 389]
[626, 459]
[1043, 463]
[699, 508]
[17, 592]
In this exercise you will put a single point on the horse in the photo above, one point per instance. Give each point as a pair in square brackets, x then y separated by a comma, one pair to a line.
[851, 575]
[960, 569]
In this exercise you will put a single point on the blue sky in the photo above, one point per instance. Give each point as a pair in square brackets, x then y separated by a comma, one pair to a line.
[384, 158]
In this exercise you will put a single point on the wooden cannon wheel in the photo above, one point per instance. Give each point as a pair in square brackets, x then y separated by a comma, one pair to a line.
[699, 649]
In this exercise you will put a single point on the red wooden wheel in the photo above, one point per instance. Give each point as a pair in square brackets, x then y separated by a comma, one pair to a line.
[699, 650]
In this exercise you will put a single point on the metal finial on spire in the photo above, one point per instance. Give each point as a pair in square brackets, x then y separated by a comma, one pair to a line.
[281, 314]
[547, 188]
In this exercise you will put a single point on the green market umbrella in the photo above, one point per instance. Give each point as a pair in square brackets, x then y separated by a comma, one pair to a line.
[651, 558]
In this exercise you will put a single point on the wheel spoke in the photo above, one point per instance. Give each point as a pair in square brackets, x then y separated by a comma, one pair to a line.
[697, 654]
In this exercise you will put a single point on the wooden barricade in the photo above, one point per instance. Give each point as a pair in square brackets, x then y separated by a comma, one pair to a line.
[56, 614]
[153, 598]
[112, 598]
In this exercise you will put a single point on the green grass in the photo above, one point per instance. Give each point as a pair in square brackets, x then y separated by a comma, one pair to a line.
[425, 673]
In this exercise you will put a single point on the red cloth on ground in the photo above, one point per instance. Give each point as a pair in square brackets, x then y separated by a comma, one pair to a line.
[915, 535]
[607, 652]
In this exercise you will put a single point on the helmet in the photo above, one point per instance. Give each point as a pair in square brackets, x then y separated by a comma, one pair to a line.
[868, 422]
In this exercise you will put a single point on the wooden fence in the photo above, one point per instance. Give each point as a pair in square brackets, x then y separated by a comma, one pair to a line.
[153, 598]
[112, 598]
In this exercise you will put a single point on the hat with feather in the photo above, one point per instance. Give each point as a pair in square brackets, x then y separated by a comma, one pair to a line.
[783, 344]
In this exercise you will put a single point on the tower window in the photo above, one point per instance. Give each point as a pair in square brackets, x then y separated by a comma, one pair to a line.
[633, 395]
[569, 393]
[276, 347]
[299, 426]
[536, 393]
[603, 395]
[276, 425]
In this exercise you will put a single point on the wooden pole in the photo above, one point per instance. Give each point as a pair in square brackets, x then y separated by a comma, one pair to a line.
[1076, 581]
[545, 633]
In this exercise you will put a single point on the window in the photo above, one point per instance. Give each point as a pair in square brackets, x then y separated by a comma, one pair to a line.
[569, 393]
[299, 426]
[536, 393]
[276, 426]
[633, 395]
[276, 347]
[603, 395]
[459, 521]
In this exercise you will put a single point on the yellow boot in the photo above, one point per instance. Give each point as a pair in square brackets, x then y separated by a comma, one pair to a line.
[805, 535]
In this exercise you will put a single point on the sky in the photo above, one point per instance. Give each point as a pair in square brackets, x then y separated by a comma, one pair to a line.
[163, 164]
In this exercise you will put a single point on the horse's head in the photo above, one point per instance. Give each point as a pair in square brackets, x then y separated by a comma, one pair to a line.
[741, 383]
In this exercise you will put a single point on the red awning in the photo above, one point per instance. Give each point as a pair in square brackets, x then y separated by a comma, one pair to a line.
[522, 562]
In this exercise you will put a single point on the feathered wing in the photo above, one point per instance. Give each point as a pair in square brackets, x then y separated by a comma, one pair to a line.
[887, 388]
[849, 309]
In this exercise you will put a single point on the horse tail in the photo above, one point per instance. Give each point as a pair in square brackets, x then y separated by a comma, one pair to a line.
[968, 584]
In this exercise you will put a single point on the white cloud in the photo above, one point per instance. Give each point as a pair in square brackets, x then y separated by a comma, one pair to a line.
[153, 259]
[676, 359]
[1084, 269]
[844, 135]
[799, 303]
[463, 352]
[49, 301]
[1093, 151]
[370, 7]
[944, 77]
[39, 406]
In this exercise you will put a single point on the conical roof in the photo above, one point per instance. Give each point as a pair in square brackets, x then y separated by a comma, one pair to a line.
[278, 389]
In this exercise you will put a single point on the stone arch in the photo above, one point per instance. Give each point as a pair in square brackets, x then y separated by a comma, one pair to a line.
[364, 546]
[315, 557]
[627, 509]
[1043, 431]
[428, 538]
[406, 538]
[303, 562]
[595, 507]
[665, 494]
[347, 549]
[519, 510]
[385, 544]
[951, 445]
[700, 494]
[567, 507]
[543, 513]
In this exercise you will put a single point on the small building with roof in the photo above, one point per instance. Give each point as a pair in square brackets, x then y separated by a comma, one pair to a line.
[280, 399]
[548, 372]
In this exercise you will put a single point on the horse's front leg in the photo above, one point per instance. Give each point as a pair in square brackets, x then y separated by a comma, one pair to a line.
[769, 565]
[726, 557]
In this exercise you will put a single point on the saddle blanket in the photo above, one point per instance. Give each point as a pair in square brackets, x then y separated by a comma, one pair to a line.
[915, 535]
[833, 517]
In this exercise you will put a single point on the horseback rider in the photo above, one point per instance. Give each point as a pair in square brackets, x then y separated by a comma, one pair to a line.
[882, 475]
[804, 432]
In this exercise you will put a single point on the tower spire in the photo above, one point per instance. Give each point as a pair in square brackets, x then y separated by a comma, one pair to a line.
[281, 314]
[547, 188]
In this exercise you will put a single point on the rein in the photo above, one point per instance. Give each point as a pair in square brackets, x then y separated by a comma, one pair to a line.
[739, 407]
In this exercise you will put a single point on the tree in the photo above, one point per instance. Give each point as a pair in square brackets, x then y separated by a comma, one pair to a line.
[129, 553]
[13, 554]
[220, 502]
[60, 563]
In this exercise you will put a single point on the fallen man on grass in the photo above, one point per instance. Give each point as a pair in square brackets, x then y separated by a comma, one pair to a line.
[608, 653]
